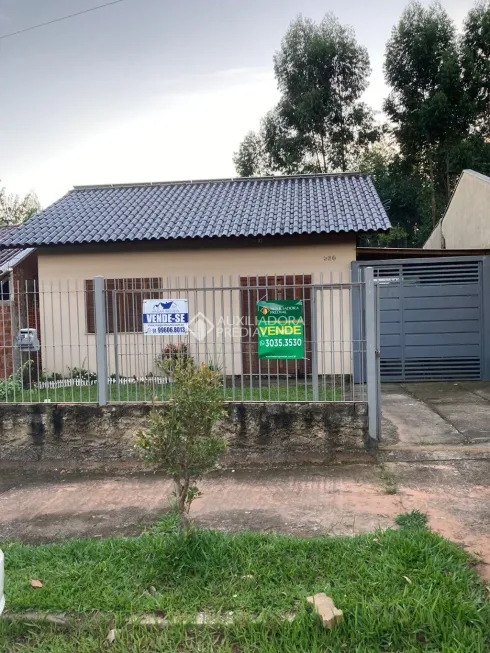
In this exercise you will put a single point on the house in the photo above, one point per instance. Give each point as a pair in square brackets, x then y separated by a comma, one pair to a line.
[466, 223]
[223, 244]
[19, 305]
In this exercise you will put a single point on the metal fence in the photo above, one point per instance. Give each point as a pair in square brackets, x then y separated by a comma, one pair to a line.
[84, 341]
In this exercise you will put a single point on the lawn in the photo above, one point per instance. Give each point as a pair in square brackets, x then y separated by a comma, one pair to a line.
[147, 392]
[401, 590]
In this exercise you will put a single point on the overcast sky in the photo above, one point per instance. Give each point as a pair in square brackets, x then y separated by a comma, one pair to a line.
[151, 90]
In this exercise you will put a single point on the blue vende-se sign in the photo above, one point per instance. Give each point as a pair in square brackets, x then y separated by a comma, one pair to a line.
[162, 317]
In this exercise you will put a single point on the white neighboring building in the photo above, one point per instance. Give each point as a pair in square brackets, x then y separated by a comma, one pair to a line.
[466, 223]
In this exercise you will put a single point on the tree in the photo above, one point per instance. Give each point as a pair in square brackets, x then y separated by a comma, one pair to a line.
[251, 157]
[181, 439]
[475, 57]
[320, 123]
[427, 105]
[405, 196]
[15, 209]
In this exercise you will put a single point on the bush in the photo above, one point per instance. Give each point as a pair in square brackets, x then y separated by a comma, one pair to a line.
[182, 439]
[82, 373]
[14, 384]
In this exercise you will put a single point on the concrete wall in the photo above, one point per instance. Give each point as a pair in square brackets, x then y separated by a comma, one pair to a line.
[48, 435]
[466, 224]
[63, 272]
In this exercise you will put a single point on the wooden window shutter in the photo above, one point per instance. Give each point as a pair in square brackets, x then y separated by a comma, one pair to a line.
[90, 306]
[124, 307]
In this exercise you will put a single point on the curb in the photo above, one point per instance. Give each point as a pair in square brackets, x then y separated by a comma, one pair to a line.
[415, 454]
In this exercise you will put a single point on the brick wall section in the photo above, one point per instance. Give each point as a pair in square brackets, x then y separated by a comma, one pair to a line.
[21, 311]
[6, 361]
[25, 277]
[80, 435]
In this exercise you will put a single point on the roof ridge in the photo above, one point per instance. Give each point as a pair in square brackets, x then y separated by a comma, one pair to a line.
[478, 175]
[183, 182]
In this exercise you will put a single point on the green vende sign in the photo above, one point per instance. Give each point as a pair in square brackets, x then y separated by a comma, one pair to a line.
[281, 330]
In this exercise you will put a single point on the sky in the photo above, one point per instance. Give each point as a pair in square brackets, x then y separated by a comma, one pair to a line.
[152, 90]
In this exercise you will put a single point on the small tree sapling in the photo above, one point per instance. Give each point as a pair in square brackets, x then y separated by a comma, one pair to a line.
[181, 438]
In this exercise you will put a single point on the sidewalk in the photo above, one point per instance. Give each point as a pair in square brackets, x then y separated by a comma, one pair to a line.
[306, 501]
[436, 414]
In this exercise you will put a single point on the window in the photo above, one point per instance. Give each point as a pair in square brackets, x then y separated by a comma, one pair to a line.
[124, 303]
[5, 290]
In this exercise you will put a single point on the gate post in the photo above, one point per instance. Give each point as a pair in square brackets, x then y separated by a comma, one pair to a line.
[314, 346]
[372, 354]
[100, 340]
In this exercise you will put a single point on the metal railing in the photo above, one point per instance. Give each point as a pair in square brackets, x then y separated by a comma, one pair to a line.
[84, 341]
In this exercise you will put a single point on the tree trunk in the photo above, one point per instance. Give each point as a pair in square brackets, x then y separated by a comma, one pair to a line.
[448, 179]
[323, 155]
[181, 493]
[344, 163]
[318, 160]
[433, 191]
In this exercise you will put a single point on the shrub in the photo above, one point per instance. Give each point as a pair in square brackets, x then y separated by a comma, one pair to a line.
[169, 356]
[82, 373]
[182, 439]
[13, 385]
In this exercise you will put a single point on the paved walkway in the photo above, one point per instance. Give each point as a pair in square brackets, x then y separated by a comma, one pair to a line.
[436, 414]
[336, 500]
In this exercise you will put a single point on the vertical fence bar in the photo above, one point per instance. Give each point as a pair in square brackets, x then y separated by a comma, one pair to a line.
[116, 343]
[371, 354]
[38, 331]
[232, 348]
[314, 344]
[8, 344]
[100, 340]
[378, 357]
[62, 343]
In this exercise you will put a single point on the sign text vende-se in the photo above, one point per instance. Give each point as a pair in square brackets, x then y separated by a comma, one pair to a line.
[162, 317]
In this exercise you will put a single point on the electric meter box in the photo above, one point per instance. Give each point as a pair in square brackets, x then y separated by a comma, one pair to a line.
[27, 340]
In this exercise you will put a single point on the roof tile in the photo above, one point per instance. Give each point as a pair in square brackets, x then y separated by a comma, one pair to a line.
[305, 204]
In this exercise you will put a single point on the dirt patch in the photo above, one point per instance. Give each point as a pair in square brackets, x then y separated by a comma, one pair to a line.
[344, 500]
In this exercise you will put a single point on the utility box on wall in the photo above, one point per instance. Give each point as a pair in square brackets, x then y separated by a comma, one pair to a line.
[27, 340]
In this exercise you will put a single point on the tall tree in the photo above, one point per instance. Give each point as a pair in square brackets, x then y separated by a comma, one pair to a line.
[320, 123]
[475, 57]
[427, 105]
[15, 209]
[405, 196]
[251, 158]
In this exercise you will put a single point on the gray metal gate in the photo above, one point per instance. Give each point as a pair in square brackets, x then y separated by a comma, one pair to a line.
[432, 318]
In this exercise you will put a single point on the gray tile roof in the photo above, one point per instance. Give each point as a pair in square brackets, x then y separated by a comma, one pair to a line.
[308, 204]
[11, 255]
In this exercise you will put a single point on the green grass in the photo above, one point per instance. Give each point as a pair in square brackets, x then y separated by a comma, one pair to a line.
[400, 590]
[141, 392]
[414, 519]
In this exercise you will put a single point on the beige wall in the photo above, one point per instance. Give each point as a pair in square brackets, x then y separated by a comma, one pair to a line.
[466, 224]
[62, 274]
[434, 241]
